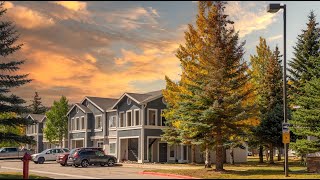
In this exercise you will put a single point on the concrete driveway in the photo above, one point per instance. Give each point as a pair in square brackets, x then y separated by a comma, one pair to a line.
[55, 170]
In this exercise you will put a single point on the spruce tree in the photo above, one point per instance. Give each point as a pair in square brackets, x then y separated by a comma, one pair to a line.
[212, 108]
[36, 105]
[306, 56]
[306, 119]
[9, 78]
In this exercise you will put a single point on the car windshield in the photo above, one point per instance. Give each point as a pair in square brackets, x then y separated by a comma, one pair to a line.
[1, 149]
[73, 151]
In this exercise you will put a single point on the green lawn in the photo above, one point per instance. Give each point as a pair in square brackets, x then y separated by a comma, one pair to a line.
[19, 176]
[250, 170]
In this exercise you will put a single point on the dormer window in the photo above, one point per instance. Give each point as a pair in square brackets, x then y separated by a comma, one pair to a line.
[87, 103]
[128, 101]
[77, 109]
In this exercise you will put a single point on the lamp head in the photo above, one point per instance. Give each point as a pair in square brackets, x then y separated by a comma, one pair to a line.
[273, 8]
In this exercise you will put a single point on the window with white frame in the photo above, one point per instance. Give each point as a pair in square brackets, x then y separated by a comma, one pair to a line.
[82, 123]
[163, 119]
[100, 144]
[128, 101]
[77, 109]
[171, 154]
[77, 123]
[137, 117]
[152, 116]
[112, 121]
[129, 118]
[98, 122]
[121, 119]
[112, 148]
[72, 124]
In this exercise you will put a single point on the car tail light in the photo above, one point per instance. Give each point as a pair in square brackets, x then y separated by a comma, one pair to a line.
[76, 155]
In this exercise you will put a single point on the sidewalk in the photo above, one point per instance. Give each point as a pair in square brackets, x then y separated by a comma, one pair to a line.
[160, 166]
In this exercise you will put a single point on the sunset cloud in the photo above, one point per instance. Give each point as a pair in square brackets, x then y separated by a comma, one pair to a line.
[73, 5]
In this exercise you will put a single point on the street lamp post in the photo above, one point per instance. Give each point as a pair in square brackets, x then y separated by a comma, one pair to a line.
[273, 8]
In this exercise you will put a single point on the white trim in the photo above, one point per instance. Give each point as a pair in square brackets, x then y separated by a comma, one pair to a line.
[129, 137]
[156, 116]
[131, 119]
[124, 94]
[76, 139]
[124, 120]
[111, 110]
[154, 127]
[110, 137]
[98, 130]
[79, 131]
[96, 137]
[174, 152]
[78, 107]
[134, 117]
[149, 137]
[82, 128]
[129, 128]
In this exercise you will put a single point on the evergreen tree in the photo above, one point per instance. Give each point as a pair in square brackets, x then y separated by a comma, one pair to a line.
[267, 75]
[305, 119]
[9, 79]
[306, 56]
[57, 122]
[214, 75]
[36, 105]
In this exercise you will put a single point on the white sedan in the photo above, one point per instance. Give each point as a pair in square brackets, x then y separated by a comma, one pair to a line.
[48, 155]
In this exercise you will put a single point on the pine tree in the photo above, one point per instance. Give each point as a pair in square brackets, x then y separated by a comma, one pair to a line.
[306, 51]
[305, 119]
[267, 75]
[9, 79]
[57, 122]
[214, 75]
[36, 105]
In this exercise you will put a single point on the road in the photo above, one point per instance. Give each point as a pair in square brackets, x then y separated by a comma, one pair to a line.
[55, 170]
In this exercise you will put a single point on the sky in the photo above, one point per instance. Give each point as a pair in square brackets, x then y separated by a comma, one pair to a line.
[104, 49]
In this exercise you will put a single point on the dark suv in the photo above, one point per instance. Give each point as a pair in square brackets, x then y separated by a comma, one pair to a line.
[86, 157]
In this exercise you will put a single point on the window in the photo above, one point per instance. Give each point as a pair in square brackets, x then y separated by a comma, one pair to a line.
[77, 109]
[152, 114]
[98, 122]
[163, 119]
[77, 124]
[82, 123]
[129, 118]
[172, 151]
[184, 152]
[137, 117]
[164, 101]
[72, 124]
[99, 153]
[100, 144]
[121, 119]
[128, 101]
[112, 147]
[112, 121]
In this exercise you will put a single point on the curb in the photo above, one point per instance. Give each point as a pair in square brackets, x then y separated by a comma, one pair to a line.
[168, 175]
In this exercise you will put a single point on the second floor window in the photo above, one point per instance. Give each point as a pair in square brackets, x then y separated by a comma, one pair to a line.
[82, 123]
[112, 121]
[121, 119]
[98, 122]
[129, 118]
[77, 124]
[137, 117]
[152, 114]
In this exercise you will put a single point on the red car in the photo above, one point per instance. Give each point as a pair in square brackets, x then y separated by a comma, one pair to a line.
[63, 158]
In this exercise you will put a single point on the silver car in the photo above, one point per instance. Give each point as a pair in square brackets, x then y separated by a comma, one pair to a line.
[12, 152]
[48, 155]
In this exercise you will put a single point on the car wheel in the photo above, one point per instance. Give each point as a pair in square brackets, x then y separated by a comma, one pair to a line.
[62, 164]
[41, 160]
[36, 162]
[111, 162]
[75, 165]
[84, 163]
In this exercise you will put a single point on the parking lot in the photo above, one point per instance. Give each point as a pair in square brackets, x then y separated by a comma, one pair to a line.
[55, 170]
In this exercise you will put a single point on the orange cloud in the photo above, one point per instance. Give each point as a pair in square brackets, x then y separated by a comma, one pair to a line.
[73, 5]
[28, 18]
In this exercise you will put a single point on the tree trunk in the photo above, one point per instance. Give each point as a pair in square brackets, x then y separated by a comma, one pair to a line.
[208, 159]
[279, 153]
[271, 154]
[219, 151]
[261, 154]
[231, 155]
[193, 157]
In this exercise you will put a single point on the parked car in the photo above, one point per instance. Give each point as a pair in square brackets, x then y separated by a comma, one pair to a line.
[86, 157]
[12, 152]
[65, 158]
[48, 155]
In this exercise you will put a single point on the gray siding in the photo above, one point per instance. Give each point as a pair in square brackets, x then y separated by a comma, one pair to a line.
[155, 104]
[126, 133]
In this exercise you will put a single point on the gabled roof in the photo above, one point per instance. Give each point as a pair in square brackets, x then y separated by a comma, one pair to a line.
[102, 103]
[140, 98]
[80, 106]
[37, 117]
